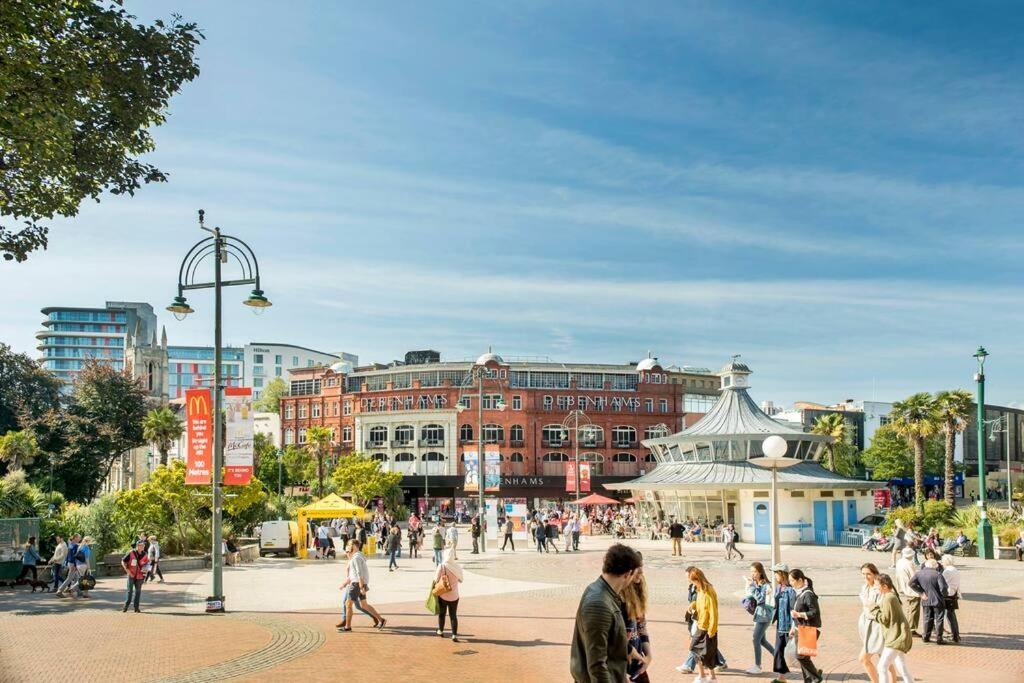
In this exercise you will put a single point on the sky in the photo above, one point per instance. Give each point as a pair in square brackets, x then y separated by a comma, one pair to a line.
[832, 190]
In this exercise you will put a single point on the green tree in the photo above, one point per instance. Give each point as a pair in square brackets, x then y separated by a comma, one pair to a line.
[953, 410]
[25, 388]
[18, 498]
[18, 449]
[81, 85]
[270, 399]
[833, 425]
[299, 465]
[265, 463]
[890, 457]
[914, 418]
[162, 428]
[319, 445]
[365, 480]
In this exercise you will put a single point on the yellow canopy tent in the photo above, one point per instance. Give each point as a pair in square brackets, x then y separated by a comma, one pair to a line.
[328, 507]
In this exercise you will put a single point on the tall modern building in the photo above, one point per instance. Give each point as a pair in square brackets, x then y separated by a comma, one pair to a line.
[191, 367]
[71, 335]
[265, 361]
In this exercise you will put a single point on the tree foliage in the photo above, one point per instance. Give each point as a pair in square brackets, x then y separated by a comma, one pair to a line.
[365, 480]
[952, 410]
[319, 446]
[18, 449]
[915, 419]
[81, 85]
[18, 498]
[265, 463]
[162, 428]
[834, 425]
[890, 457]
[25, 389]
[270, 400]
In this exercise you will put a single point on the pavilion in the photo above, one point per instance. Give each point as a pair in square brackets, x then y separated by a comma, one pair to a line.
[703, 472]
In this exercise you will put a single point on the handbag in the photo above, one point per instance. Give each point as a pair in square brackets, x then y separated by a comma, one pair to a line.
[442, 585]
[807, 641]
[431, 603]
[87, 582]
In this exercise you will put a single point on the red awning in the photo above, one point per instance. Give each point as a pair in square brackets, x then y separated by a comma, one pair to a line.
[596, 499]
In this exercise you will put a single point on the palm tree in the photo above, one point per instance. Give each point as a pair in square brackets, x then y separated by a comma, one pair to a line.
[953, 409]
[18, 448]
[162, 428]
[915, 419]
[834, 425]
[318, 441]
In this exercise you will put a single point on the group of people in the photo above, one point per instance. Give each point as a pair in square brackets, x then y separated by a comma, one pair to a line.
[904, 536]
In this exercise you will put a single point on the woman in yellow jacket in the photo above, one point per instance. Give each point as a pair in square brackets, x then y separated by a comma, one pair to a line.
[704, 607]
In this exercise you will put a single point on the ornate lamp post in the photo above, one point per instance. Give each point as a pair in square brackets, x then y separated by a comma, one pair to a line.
[221, 247]
[774, 449]
[573, 418]
[986, 550]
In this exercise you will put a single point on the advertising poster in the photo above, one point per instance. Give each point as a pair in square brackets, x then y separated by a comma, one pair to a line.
[199, 433]
[585, 477]
[570, 477]
[472, 464]
[492, 470]
[517, 513]
[491, 518]
[238, 461]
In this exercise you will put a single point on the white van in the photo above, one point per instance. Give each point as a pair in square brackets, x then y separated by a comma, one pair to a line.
[279, 536]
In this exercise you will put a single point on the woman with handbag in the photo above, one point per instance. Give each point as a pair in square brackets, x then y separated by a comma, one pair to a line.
[704, 643]
[807, 616]
[446, 587]
[870, 631]
[759, 590]
[897, 633]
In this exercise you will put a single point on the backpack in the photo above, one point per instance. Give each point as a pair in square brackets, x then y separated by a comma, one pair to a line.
[749, 604]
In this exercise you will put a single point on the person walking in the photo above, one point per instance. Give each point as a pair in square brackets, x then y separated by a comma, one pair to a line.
[551, 533]
[474, 531]
[896, 633]
[634, 597]
[567, 534]
[675, 532]
[759, 590]
[806, 612]
[902, 577]
[541, 536]
[600, 645]
[354, 589]
[704, 643]
[899, 538]
[930, 583]
[154, 560]
[393, 544]
[437, 545]
[785, 598]
[451, 538]
[508, 534]
[576, 527]
[69, 563]
[871, 637]
[952, 576]
[449, 575]
[29, 559]
[136, 566]
[690, 665]
[57, 560]
[729, 536]
[414, 536]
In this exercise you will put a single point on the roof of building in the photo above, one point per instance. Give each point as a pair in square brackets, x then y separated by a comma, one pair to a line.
[737, 475]
[489, 357]
[647, 364]
[735, 366]
[735, 413]
[292, 346]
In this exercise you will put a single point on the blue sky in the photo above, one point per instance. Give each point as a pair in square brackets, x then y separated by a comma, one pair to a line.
[832, 190]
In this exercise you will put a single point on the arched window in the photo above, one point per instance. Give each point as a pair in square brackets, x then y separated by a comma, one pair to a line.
[555, 457]
[432, 457]
[553, 435]
[493, 433]
[466, 433]
[405, 434]
[515, 433]
[623, 457]
[380, 457]
[289, 436]
[516, 457]
[596, 461]
[650, 458]
[591, 435]
[623, 437]
[378, 436]
[433, 435]
[404, 457]
[655, 432]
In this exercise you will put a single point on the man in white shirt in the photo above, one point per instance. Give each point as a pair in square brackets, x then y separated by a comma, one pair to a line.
[451, 540]
[357, 583]
[902, 576]
[952, 576]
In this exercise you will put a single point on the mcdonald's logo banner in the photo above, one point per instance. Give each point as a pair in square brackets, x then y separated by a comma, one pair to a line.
[199, 431]
[238, 462]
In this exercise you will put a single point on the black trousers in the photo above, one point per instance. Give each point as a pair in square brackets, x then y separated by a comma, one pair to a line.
[451, 608]
[934, 617]
[508, 539]
[807, 668]
[25, 569]
[954, 625]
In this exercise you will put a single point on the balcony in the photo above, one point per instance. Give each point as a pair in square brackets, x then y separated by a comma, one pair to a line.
[556, 443]
[516, 443]
[497, 442]
[425, 443]
[591, 444]
[374, 445]
[625, 444]
[401, 442]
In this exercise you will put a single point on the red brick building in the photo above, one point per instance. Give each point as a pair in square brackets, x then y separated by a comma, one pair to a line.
[420, 419]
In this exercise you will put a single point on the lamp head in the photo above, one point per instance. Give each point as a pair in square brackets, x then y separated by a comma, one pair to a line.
[257, 301]
[774, 447]
[180, 308]
[981, 354]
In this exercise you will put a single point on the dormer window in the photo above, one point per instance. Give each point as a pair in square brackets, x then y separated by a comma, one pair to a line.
[727, 382]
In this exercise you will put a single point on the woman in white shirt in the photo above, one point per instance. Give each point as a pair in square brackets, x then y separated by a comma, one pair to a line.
[952, 576]
[871, 636]
[449, 600]
[154, 560]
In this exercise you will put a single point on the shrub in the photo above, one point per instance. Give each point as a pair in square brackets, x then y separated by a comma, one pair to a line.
[1008, 535]
[936, 514]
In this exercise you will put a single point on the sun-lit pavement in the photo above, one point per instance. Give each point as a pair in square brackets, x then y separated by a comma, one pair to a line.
[516, 619]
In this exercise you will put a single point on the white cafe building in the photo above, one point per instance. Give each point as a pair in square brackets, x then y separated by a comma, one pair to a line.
[703, 473]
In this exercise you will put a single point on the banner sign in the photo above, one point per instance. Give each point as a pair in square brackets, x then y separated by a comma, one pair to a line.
[472, 465]
[238, 460]
[492, 470]
[882, 498]
[517, 512]
[585, 477]
[199, 431]
[570, 478]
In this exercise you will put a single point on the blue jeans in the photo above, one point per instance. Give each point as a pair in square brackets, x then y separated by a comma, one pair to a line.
[437, 556]
[391, 559]
[345, 616]
[56, 576]
[760, 628]
[136, 586]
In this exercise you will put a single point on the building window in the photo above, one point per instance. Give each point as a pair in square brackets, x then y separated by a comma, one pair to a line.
[257, 359]
[405, 434]
[289, 411]
[432, 457]
[623, 457]
[404, 457]
[346, 434]
[316, 410]
[517, 403]
[277, 371]
[466, 433]
[650, 458]
[516, 457]
[309, 363]
[623, 437]
[277, 360]
[433, 435]
[302, 436]
[515, 433]
[295, 361]
[552, 435]
[491, 401]
[493, 433]
[655, 432]
[649, 405]
[336, 409]
[555, 457]
[289, 436]
[663, 405]
[379, 457]
[378, 436]
[549, 401]
[257, 381]
[884, 420]
[591, 436]
[347, 408]
[303, 411]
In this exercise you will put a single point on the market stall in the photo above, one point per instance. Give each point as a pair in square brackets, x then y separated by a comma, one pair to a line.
[331, 506]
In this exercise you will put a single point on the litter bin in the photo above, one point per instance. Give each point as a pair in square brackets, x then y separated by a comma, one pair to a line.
[371, 545]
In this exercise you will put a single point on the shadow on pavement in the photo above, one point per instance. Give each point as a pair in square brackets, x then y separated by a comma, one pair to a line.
[989, 640]
[108, 595]
[983, 597]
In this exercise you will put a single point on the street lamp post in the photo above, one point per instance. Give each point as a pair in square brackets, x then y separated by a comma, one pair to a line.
[220, 247]
[574, 417]
[985, 549]
[774, 449]
[1001, 425]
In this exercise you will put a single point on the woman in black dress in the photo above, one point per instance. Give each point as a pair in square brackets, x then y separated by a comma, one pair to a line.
[806, 613]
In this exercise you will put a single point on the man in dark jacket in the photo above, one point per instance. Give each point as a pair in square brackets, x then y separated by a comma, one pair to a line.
[474, 531]
[599, 642]
[675, 532]
[929, 580]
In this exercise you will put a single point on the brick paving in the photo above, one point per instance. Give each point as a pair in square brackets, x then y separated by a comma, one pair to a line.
[508, 636]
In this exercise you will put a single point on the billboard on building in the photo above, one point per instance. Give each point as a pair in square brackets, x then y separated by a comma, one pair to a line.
[238, 443]
[492, 470]
[199, 431]
[472, 464]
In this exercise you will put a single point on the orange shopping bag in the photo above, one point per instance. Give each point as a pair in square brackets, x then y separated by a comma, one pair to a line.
[807, 641]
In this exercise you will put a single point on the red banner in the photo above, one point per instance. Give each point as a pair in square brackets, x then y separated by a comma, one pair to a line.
[199, 430]
[585, 477]
[882, 498]
[570, 480]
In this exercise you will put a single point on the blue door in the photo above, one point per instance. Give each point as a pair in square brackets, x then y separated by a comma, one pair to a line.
[837, 520]
[762, 524]
[820, 522]
[851, 512]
